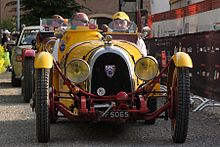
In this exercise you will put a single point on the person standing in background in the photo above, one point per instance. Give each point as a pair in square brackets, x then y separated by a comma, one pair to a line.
[5, 37]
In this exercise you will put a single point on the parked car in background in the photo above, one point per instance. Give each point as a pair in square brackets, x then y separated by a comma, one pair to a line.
[24, 41]
[28, 56]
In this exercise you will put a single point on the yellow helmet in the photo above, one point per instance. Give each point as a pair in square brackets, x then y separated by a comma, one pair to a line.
[121, 15]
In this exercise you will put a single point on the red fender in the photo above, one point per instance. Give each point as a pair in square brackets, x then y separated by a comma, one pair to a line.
[29, 53]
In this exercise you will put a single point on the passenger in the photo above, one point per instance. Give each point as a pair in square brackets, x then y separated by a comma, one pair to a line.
[121, 21]
[57, 21]
[80, 19]
[56, 16]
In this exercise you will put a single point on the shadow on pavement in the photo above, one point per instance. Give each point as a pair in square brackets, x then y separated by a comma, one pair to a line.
[5, 85]
[11, 99]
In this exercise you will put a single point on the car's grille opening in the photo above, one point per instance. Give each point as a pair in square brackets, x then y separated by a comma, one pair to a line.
[120, 81]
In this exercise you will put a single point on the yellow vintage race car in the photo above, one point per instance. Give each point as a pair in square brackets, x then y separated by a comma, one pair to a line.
[89, 76]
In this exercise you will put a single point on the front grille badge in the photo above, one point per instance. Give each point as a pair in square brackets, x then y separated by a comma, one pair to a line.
[110, 70]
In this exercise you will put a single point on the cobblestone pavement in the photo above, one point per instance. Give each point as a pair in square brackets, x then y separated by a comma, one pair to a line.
[17, 127]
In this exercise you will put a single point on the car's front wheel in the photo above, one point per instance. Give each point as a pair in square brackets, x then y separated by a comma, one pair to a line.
[181, 101]
[42, 105]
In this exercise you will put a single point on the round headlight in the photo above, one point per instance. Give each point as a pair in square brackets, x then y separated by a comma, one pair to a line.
[146, 68]
[77, 70]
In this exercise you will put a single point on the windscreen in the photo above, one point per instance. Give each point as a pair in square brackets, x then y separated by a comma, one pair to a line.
[28, 36]
[65, 24]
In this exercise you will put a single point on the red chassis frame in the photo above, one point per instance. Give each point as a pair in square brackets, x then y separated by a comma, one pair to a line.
[122, 98]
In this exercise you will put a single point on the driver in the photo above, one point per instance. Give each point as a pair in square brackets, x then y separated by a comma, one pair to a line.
[121, 21]
[80, 19]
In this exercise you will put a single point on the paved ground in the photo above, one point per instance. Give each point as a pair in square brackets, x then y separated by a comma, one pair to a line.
[17, 127]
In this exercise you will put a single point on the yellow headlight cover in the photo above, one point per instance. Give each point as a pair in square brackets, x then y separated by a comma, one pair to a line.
[146, 68]
[77, 70]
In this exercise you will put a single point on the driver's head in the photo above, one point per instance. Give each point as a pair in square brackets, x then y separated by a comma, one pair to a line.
[56, 16]
[80, 19]
[121, 20]
[57, 20]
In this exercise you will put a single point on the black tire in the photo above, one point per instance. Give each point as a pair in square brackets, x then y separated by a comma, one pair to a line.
[28, 79]
[152, 106]
[42, 105]
[181, 104]
[15, 82]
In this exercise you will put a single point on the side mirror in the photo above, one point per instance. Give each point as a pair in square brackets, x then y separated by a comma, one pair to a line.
[145, 32]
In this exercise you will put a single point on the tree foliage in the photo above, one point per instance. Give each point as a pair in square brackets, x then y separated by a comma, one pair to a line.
[8, 24]
[33, 10]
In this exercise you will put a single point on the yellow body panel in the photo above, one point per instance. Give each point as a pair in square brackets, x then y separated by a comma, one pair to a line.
[82, 44]
[182, 59]
[43, 60]
[156, 88]
[84, 50]
[129, 47]
[72, 37]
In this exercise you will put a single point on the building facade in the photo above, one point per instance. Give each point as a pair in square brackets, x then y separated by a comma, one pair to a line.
[101, 10]
[159, 6]
[197, 17]
[175, 4]
[5, 11]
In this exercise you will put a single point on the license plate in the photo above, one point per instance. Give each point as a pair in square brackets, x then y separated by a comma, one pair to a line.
[118, 114]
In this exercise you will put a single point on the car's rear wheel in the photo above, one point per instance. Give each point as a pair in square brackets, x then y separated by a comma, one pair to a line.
[42, 105]
[15, 82]
[181, 100]
[28, 79]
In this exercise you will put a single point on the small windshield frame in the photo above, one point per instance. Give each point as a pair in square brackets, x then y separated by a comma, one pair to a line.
[66, 24]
